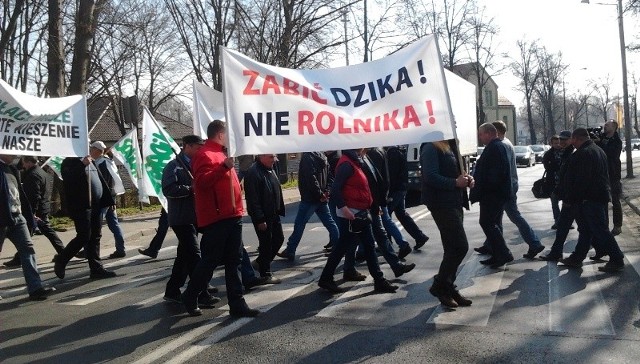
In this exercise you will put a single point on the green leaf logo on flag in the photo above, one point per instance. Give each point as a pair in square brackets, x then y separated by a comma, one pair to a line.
[126, 150]
[155, 163]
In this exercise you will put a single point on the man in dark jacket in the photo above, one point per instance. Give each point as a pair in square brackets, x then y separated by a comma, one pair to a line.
[612, 146]
[492, 189]
[14, 226]
[86, 194]
[586, 186]
[552, 160]
[177, 188]
[313, 179]
[265, 205]
[398, 178]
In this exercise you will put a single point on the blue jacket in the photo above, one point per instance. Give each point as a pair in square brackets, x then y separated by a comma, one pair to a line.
[177, 188]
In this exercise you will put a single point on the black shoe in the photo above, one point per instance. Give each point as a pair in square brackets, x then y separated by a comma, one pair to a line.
[328, 247]
[285, 255]
[117, 254]
[147, 252]
[382, 285]
[59, 267]
[270, 279]
[499, 262]
[173, 298]
[211, 289]
[460, 299]
[420, 243]
[444, 297]
[598, 257]
[191, 304]
[571, 262]
[482, 250]
[617, 230]
[612, 267]
[330, 286]
[571, 227]
[554, 227]
[13, 263]
[353, 276]
[551, 258]
[102, 274]
[531, 254]
[206, 300]
[258, 281]
[81, 254]
[404, 251]
[243, 311]
[55, 257]
[41, 293]
[403, 268]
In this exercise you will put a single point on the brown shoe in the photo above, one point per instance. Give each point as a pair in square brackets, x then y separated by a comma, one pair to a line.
[444, 297]
[353, 276]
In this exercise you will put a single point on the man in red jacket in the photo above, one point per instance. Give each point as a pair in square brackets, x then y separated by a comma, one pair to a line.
[219, 216]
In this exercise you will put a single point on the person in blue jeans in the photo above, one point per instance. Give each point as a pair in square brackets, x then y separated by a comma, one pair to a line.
[313, 176]
[511, 205]
[15, 228]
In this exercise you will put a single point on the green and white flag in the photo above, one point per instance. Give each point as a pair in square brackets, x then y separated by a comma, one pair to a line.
[158, 149]
[55, 163]
[127, 152]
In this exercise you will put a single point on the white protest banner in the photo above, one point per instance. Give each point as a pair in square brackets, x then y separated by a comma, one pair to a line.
[399, 99]
[157, 149]
[56, 165]
[208, 105]
[127, 152]
[31, 125]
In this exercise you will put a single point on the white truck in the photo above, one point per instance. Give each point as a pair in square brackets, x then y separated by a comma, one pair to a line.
[463, 103]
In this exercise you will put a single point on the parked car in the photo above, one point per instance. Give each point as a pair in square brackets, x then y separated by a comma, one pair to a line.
[635, 143]
[539, 150]
[525, 155]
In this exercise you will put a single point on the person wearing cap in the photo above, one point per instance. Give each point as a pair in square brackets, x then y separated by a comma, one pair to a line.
[587, 187]
[87, 193]
[107, 168]
[177, 187]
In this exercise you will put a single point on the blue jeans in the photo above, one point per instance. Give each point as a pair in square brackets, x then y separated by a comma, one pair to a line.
[348, 241]
[19, 235]
[384, 244]
[246, 270]
[555, 207]
[114, 225]
[398, 206]
[305, 210]
[392, 229]
[593, 230]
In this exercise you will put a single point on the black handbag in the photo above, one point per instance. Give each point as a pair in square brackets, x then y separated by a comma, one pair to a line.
[541, 188]
[360, 223]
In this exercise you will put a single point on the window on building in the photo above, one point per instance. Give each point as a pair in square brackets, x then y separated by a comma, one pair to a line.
[488, 97]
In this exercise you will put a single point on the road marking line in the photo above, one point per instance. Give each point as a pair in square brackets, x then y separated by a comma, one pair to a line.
[582, 311]
[634, 260]
[482, 288]
[152, 299]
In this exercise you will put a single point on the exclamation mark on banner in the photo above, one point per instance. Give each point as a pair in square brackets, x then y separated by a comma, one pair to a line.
[423, 79]
[432, 119]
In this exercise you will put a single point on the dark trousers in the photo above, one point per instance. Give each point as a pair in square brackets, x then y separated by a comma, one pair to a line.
[454, 242]
[381, 238]
[616, 208]
[221, 243]
[398, 206]
[269, 243]
[187, 257]
[49, 233]
[491, 211]
[593, 230]
[88, 224]
[563, 225]
[161, 232]
[348, 242]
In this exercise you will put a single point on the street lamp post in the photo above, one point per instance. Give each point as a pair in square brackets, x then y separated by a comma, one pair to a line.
[564, 104]
[625, 90]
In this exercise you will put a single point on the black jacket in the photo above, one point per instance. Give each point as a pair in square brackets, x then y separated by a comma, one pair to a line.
[6, 218]
[439, 173]
[398, 169]
[491, 175]
[313, 176]
[587, 177]
[177, 188]
[377, 184]
[38, 186]
[559, 187]
[612, 147]
[77, 187]
[263, 194]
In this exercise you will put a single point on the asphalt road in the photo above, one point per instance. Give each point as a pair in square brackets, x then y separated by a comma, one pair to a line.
[532, 311]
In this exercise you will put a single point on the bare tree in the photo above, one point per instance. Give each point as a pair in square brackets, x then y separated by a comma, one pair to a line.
[526, 69]
[85, 27]
[603, 96]
[551, 71]
[55, 51]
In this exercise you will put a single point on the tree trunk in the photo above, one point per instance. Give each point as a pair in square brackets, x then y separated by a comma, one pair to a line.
[532, 130]
[85, 30]
[55, 52]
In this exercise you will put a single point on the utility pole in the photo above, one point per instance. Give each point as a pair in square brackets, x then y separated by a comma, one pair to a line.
[366, 36]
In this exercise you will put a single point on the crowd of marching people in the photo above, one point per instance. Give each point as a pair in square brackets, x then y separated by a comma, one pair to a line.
[354, 194]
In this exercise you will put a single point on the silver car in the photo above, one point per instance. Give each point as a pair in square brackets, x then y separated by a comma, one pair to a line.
[525, 156]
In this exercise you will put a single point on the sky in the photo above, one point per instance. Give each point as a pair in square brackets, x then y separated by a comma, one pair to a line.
[586, 34]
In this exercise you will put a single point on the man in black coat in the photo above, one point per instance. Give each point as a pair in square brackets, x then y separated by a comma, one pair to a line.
[86, 194]
[612, 146]
[265, 206]
[492, 189]
[586, 186]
